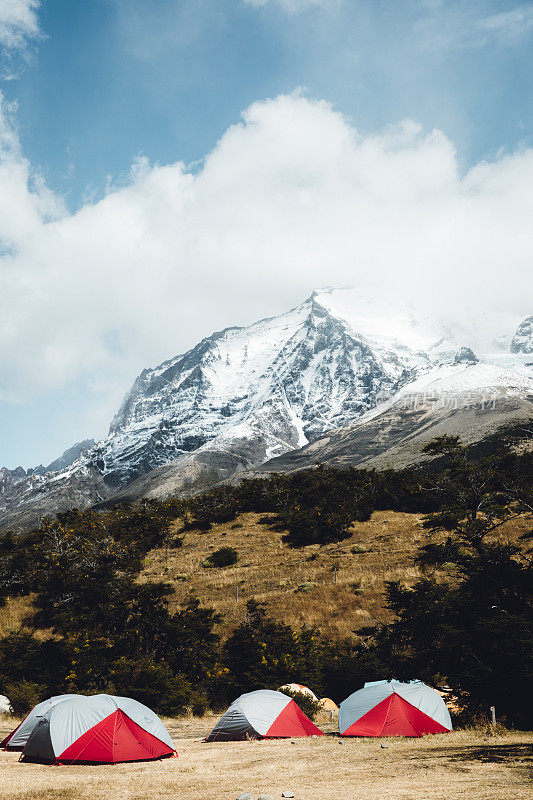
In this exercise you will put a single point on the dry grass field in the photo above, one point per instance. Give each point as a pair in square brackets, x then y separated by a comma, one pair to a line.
[456, 766]
[298, 585]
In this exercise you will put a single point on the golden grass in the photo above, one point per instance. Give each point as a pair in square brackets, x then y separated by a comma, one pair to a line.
[446, 767]
[379, 550]
[13, 613]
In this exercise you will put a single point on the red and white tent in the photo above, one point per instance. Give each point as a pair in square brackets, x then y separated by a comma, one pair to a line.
[263, 714]
[391, 708]
[17, 739]
[101, 729]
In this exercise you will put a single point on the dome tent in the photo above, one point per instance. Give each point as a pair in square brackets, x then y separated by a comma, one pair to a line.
[5, 705]
[391, 708]
[263, 714]
[327, 704]
[17, 739]
[297, 688]
[100, 729]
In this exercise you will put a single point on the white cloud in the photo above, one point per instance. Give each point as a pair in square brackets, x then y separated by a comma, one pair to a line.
[291, 6]
[18, 22]
[463, 26]
[508, 26]
[291, 198]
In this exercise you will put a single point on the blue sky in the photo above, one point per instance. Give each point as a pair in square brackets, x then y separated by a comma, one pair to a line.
[114, 78]
[91, 88]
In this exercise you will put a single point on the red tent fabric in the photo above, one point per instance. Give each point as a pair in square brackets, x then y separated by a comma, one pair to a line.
[394, 716]
[292, 722]
[116, 738]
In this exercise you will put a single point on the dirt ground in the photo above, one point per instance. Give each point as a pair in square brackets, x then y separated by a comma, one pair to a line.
[464, 765]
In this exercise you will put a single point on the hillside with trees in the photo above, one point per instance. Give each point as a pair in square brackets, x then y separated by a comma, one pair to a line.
[118, 601]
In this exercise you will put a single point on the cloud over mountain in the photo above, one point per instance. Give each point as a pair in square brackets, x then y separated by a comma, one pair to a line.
[291, 197]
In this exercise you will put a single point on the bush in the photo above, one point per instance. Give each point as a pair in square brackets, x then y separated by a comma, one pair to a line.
[156, 686]
[214, 507]
[305, 587]
[24, 695]
[306, 704]
[223, 557]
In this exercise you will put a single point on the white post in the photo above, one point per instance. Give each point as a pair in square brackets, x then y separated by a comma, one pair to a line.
[493, 715]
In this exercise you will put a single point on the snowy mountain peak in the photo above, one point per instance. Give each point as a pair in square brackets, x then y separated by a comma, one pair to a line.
[244, 395]
[282, 381]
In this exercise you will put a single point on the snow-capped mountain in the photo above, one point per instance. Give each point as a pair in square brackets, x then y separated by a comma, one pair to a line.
[245, 395]
[284, 381]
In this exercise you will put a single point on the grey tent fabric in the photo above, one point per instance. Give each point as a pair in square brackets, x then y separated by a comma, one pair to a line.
[5, 705]
[232, 726]
[39, 745]
[262, 708]
[361, 702]
[251, 714]
[73, 718]
[19, 738]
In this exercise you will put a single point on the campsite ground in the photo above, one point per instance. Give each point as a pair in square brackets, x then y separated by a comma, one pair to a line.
[464, 764]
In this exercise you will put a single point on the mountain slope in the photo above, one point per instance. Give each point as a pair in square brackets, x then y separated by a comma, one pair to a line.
[278, 384]
[473, 403]
[245, 396]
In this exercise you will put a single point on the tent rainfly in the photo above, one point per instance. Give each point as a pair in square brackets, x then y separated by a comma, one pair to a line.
[297, 688]
[5, 705]
[101, 729]
[16, 740]
[391, 708]
[263, 714]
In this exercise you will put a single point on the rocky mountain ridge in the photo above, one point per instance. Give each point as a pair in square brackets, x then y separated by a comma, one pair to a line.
[244, 396]
[522, 341]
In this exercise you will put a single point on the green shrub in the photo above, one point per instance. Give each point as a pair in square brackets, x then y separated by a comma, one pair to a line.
[23, 695]
[448, 566]
[223, 557]
[156, 685]
[306, 704]
[305, 587]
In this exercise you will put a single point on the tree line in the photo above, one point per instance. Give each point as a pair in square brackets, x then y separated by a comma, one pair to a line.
[94, 627]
